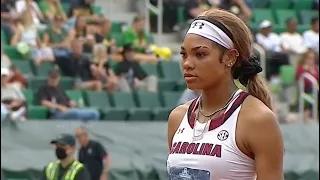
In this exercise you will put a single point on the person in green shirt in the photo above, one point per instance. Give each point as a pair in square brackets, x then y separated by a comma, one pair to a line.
[137, 36]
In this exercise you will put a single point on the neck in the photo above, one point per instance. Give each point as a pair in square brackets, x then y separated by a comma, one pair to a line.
[216, 97]
[66, 161]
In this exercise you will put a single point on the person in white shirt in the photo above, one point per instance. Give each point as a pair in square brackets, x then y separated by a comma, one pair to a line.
[22, 5]
[291, 40]
[270, 42]
[311, 37]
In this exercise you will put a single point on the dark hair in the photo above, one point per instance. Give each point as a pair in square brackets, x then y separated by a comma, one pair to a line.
[314, 20]
[246, 68]
[138, 18]
[289, 20]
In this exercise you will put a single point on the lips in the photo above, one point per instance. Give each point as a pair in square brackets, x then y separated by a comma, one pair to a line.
[188, 75]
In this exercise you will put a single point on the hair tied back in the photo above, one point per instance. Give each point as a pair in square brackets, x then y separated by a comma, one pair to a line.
[247, 70]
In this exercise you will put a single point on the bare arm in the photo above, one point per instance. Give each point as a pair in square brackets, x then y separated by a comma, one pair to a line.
[265, 142]
[174, 121]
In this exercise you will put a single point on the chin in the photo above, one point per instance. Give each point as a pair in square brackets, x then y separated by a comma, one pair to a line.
[193, 86]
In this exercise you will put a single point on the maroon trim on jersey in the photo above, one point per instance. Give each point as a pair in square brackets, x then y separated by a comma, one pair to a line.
[191, 114]
[222, 118]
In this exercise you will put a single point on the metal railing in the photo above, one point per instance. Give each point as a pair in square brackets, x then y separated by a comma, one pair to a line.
[303, 96]
[158, 11]
[263, 58]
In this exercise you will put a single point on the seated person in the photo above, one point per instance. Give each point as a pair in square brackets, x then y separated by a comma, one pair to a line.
[27, 41]
[105, 72]
[139, 39]
[16, 78]
[55, 98]
[58, 38]
[292, 42]
[22, 5]
[131, 75]
[12, 98]
[311, 37]
[270, 42]
[77, 65]
[194, 8]
[5, 60]
[81, 7]
[307, 64]
[52, 7]
[241, 8]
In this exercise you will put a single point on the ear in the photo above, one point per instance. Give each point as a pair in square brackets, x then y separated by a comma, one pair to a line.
[230, 57]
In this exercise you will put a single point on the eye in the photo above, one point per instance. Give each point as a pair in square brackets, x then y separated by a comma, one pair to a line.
[183, 55]
[200, 54]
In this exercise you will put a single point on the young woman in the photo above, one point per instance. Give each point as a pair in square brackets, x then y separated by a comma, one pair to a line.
[307, 64]
[226, 133]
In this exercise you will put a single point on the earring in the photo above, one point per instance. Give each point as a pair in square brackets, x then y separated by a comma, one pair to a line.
[229, 64]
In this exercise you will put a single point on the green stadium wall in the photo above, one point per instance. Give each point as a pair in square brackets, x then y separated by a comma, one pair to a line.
[138, 150]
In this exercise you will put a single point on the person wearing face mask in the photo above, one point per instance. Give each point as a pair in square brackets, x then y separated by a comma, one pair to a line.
[66, 167]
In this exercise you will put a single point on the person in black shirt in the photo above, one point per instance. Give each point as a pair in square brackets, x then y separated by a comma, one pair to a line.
[66, 166]
[131, 75]
[93, 155]
[54, 98]
[77, 65]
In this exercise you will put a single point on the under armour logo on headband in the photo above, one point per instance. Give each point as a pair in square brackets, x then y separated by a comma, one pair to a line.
[198, 24]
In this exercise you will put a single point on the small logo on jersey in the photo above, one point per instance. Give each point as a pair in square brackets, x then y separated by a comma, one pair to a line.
[185, 174]
[180, 131]
[223, 135]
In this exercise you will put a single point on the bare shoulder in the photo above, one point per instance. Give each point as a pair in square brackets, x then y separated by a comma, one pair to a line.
[255, 111]
[175, 119]
[259, 123]
[177, 114]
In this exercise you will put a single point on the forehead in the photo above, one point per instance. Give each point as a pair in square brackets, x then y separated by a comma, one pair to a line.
[194, 40]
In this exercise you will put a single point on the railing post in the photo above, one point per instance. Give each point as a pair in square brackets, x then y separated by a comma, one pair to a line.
[160, 17]
[147, 16]
[263, 58]
[305, 97]
[158, 11]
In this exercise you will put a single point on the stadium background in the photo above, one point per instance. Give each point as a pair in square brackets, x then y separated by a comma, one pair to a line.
[138, 148]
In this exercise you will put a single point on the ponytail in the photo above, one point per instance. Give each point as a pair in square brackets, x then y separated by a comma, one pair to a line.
[258, 88]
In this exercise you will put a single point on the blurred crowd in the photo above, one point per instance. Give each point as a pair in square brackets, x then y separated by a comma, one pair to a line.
[79, 41]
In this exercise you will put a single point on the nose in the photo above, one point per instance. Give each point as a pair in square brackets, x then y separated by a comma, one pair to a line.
[188, 64]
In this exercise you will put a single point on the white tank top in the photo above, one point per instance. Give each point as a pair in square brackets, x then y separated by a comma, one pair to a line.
[215, 156]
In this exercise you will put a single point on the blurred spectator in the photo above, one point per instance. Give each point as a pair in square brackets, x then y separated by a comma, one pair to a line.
[77, 65]
[55, 98]
[81, 7]
[140, 40]
[4, 113]
[194, 8]
[12, 97]
[241, 8]
[5, 60]
[307, 64]
[93, 155]
[22, 5]
[16, 78]
[26, 38]
[52, 7]
[188, 95]
[106, 74]
[131, 75]
[8, 15]
[85, 33]
[291, 40]
[270, 42]
[58, 38]
[311, 37]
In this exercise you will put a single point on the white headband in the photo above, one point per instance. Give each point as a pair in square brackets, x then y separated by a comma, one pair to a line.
[210, 31]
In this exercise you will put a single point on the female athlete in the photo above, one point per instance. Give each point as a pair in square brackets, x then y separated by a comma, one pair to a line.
[226, 133]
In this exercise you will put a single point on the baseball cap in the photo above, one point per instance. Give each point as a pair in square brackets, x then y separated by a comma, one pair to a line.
[65, 139]
[5, 72]
[265, 24]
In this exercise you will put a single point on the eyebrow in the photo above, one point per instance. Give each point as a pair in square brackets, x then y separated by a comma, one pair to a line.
[195, 48]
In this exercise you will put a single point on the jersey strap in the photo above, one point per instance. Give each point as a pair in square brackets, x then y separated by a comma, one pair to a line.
[221, 119]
